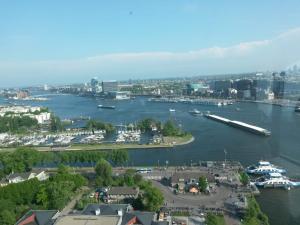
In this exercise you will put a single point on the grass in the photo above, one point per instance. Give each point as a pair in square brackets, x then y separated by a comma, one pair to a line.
[212, 219]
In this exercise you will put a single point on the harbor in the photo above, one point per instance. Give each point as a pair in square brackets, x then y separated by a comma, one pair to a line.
[209, 142]
[240, 125]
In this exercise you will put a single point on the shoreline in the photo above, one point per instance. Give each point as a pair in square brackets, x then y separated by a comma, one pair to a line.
[105, 146]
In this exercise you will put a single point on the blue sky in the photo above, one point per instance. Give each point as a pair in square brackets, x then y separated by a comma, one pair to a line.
[71, 41]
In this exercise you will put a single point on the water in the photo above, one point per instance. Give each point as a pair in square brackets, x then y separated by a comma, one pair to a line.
[211, 138]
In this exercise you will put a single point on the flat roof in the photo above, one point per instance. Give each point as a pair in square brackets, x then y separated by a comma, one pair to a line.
[88, 220]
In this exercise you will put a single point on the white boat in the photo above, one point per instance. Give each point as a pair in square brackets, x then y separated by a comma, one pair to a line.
[264, 167]
[172, 110]
[195, 112]
[276, 180]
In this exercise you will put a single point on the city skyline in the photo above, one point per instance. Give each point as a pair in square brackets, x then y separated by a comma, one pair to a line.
[62, 43]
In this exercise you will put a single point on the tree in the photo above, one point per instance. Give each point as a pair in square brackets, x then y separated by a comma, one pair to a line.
[170, 129]
[244, 178]
[98, 125]
[153, 199]
[62, 169]
[203, 184]
[119, 157]
[59, 193]
[7, 217]
[42, 197]
[103, 170]
[55, 124]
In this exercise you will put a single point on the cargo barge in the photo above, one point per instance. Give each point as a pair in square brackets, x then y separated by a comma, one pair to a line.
[240, 125]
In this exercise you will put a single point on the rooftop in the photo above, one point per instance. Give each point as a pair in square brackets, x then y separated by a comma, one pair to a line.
[106, 210]
[88, 220]
[38, 217]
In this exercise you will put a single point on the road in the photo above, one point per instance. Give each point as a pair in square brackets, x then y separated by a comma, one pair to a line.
[70, 206]
[215, 200]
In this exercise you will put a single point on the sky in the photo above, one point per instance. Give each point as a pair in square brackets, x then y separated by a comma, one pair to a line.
[55, 42]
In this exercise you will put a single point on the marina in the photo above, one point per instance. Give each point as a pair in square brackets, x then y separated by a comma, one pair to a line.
[196, 101]
[239, 145]
[239, 124]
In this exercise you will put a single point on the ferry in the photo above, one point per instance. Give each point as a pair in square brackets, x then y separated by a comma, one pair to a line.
[276, 180]
[195, 112]
[264, 167]
[106, 106]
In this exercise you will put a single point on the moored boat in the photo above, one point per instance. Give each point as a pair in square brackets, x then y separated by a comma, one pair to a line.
[276, 180]
[264, 167]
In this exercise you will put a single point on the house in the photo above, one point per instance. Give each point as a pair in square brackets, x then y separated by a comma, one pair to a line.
[14, 178]
[187, 178]
[117, 194]
[39, 217]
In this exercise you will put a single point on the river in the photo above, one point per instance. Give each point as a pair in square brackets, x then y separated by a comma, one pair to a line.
[211, 138]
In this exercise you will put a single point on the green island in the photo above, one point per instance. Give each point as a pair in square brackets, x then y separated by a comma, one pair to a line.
[22, 128]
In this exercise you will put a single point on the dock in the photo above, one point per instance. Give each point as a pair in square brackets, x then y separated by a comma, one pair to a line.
[240, 125]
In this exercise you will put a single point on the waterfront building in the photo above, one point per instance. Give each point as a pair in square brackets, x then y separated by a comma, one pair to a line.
[119, 95]
[95, 86]
[278, 85]
[244, 88]
[109, 86]
[196, 88]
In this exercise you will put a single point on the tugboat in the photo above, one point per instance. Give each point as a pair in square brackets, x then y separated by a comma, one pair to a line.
[264, 167]
[276, 180]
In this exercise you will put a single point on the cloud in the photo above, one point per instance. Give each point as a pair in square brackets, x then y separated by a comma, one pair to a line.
[273, 54]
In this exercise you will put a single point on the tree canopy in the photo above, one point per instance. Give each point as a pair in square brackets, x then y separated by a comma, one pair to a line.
[103, 171]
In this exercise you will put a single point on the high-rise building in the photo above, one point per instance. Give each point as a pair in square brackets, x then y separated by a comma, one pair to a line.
[278, 86]
[244, 88]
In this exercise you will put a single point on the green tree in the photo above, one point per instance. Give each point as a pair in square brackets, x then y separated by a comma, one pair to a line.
[170, 129]
[244, 178]
[153, 199]
[7, 217]
[42, 197]
[98, 125]
[59, 193]
[103, 170]
[203, 184]
[55, 124]
[119, 157]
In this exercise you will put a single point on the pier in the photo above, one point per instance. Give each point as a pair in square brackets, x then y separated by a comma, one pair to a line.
[239, 124]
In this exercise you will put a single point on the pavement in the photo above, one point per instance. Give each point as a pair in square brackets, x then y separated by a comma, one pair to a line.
[70, 206]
